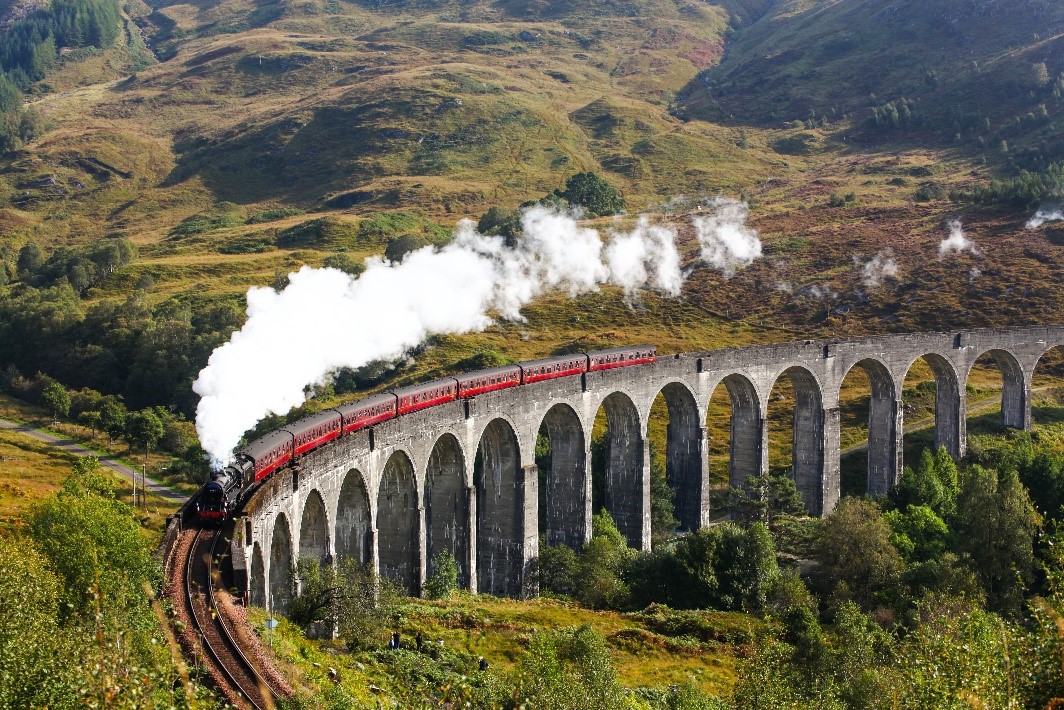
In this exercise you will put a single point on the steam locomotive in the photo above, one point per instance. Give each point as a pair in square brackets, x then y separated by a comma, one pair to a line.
[218, 498]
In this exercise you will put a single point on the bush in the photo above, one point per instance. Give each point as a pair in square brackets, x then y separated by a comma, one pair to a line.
[930, 191]
[798, 144]
[721, 567]
[569, 668]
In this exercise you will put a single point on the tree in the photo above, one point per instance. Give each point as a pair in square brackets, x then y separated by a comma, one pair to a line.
[501, 221]
[30, 259]
[319, 586]
[933, 483]
[399, 247]
[855, 553]
[557, 568]
[765, 498]
[32, 673]
[590, 191]
[599, 583]
[444, 578]
[918, 533]
[996, 527]
[95, 544]
[90, 419]
[144, 429]
[113, 418]
[1039, 75]
[57, 399]
[663, 522]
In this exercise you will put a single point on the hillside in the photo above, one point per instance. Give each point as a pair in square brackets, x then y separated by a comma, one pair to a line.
[262, 138]
[970, 70]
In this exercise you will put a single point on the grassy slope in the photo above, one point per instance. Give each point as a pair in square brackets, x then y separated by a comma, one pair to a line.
[500, 630]
[31, 470]
[829, 56]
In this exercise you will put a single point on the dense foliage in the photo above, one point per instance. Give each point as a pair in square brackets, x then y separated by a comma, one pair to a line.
[18, 125]
[30, 48]
[81, 626]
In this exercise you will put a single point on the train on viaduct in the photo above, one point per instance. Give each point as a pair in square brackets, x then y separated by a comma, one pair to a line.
[461, 477]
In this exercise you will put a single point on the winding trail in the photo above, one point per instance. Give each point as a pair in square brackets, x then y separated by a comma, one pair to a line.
[125, 471]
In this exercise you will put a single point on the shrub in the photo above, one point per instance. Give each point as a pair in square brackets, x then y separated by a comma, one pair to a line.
[569, 668]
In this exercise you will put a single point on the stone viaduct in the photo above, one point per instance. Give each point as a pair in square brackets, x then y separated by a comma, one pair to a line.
[462, 477]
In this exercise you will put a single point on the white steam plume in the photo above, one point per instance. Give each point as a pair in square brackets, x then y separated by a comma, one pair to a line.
[1043, 216]
[325, 320]
[956, 242]
[648, 248]
[727, 243]
[875, 270]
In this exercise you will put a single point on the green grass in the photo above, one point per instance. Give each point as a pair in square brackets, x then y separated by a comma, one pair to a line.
[501, 629]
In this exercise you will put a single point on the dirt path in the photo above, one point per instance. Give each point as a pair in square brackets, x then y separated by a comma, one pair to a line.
[125, 471]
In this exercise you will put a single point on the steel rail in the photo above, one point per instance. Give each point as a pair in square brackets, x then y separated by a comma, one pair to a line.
[198, 623]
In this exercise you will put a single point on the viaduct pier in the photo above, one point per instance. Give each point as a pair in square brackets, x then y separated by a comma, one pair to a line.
[462, 478]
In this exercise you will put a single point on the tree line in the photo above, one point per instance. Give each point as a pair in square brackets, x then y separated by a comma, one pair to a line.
[30, 48]
[947, 591]
[148, 353]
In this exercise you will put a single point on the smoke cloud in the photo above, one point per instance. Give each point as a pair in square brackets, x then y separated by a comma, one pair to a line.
[728, 244]
[646, 255]
[956, 242]
[1043, 216]
[325, 320]
[875, 270]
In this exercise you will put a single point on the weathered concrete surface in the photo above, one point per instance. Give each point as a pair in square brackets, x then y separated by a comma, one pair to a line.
[462, 477]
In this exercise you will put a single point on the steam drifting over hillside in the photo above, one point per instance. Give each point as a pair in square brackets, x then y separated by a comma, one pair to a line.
[727, 243]
[325, 320]
[882, 266]
[1042, 216]
[956, 242]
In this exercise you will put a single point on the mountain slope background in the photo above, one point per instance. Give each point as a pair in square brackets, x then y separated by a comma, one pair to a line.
[231, 142]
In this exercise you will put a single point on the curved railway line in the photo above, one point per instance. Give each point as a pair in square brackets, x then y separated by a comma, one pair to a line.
[232, 671]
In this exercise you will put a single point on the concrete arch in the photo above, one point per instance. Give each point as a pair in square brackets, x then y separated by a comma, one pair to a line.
[566, 485]
[258, 578]
[884, 426]
[282, 586]
[627, 484]
[447, 506]
[1015, 394]
[807, 432]
[949, 403]
[685, 465]
[397, 523]
[354, 530]
[497, 478]
[747, 430]
[314, 529]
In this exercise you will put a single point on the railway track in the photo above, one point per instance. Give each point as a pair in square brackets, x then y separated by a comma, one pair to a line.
[219, 649]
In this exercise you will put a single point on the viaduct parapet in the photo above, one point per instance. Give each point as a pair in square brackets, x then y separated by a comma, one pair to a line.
[462, 477]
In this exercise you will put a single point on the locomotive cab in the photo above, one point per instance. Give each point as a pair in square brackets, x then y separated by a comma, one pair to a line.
[213, 505]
